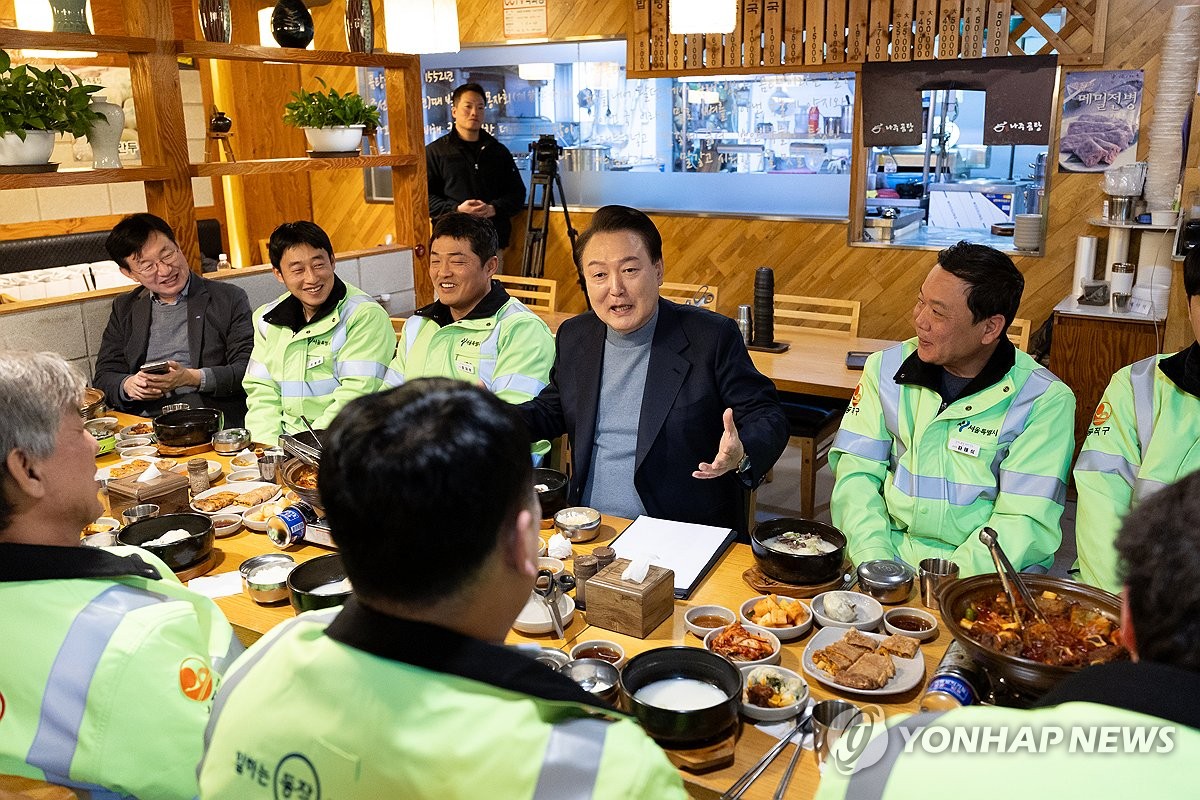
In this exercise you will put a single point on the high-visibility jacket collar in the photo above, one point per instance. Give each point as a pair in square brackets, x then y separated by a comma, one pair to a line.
[1183, 369]
[36, 562]
[921, 373]
[439, 312]
[289, 313]
[1159, 690]
[442, 650]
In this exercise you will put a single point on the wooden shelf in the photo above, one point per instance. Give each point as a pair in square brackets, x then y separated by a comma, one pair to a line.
[291, 55]
[82, 177]
[271, 166]
[13, 38]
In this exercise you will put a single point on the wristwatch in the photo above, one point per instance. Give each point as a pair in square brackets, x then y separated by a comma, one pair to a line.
[744, 464]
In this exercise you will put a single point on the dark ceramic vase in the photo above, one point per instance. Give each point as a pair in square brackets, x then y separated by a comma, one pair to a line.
[216, 22]
[219, 122]
[291, 24]
[70, 16]
[360, 26]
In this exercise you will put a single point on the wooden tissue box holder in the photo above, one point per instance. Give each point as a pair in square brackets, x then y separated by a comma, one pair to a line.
[634, 609]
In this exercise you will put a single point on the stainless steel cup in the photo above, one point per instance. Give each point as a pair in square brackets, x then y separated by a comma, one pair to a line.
[139, 513]
[270, 465]
[596, 676]
[1120, 301]
[934, 573]
[832, 718]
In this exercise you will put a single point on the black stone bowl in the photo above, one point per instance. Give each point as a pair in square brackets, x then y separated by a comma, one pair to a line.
[180, 555]
[312, 574]
[554, 499]
[188, 426]
[683, 729]
[793, 568]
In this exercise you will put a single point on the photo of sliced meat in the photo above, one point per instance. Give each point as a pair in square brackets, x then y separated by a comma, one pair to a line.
[1095, 139]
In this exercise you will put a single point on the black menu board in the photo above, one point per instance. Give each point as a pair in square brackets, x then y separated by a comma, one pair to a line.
[1018, 102]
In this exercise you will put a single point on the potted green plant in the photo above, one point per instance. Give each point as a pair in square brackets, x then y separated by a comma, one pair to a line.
[37, 103]
[332, 122]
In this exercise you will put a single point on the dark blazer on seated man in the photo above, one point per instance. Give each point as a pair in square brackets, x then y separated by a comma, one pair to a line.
[698, 367]
[208, 351]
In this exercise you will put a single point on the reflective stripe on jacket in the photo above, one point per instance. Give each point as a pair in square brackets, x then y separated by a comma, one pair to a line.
[318, 370]
[366, 726]
[1144, 435]
[914, 481]
[107, 683]
[510, 353]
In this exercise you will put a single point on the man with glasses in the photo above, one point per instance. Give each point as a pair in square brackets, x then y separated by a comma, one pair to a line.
[178, 337]
[318, 346]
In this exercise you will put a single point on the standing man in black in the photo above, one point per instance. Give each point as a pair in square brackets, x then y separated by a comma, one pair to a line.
[469, 171]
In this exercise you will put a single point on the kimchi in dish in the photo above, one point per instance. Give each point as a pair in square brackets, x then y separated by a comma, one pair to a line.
[1073, 635]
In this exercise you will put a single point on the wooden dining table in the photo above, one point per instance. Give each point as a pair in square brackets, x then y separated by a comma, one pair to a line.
[814, 362]
[723, 585]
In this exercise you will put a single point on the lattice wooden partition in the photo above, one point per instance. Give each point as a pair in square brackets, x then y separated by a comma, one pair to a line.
[814, 33]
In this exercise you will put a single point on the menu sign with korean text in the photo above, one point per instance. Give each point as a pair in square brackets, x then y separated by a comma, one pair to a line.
[1100, 120]
[524, 18]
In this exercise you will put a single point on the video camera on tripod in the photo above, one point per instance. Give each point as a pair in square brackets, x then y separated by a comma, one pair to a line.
[543, 165]
[544, 155]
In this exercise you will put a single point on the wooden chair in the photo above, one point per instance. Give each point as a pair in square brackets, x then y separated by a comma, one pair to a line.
[540, 294]
[816, 315]
[1018, 334]
[264, 250]
[813, 420]
[398, 324]
[689, 292]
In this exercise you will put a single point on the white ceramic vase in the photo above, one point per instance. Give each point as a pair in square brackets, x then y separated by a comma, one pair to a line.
[35, 149]
[104, 135]
[339, 139]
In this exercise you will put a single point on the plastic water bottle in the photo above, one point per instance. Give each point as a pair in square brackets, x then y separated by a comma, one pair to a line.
[223, 262]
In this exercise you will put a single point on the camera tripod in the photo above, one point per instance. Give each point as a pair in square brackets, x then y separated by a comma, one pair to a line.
[544, 177]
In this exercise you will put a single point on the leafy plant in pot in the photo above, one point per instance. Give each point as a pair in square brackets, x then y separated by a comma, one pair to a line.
[332, 122]
[35, 104]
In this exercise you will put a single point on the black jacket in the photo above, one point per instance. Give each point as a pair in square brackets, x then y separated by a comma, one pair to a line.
[220, 337]
[456, 174]
[698, 367]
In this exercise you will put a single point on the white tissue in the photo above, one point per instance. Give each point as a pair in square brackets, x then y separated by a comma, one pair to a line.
[150, 474]
[637, 569]
[558, 546]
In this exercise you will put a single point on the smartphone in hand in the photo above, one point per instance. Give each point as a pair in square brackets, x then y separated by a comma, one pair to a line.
[155, 368]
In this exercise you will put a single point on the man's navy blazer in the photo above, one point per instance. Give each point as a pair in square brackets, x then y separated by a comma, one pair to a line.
[698, 367]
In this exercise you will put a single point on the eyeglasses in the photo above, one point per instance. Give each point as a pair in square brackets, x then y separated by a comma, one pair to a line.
[165, 259]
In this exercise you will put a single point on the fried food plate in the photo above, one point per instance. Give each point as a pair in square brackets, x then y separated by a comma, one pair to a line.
[175, 465]
[239, 488]
[909, 671]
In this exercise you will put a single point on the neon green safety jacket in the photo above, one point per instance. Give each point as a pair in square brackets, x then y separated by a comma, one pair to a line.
[314, 368]
[1093, 741]
[501, 345]
[370, 706]
[1144, 435]
[108, 670]
[915, 481]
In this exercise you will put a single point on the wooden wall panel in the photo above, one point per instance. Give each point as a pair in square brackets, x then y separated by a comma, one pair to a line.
[726, 251]
[482, 21]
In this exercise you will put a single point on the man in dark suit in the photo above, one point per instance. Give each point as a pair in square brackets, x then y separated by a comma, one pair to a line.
[198, 331]
[709, 424]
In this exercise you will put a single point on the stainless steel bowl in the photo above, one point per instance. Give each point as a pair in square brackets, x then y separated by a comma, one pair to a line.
[266, 591]
[886, 580]
[231, 440]
[578, 523]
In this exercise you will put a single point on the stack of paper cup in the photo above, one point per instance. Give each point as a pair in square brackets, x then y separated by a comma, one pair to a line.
[1027, 231]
